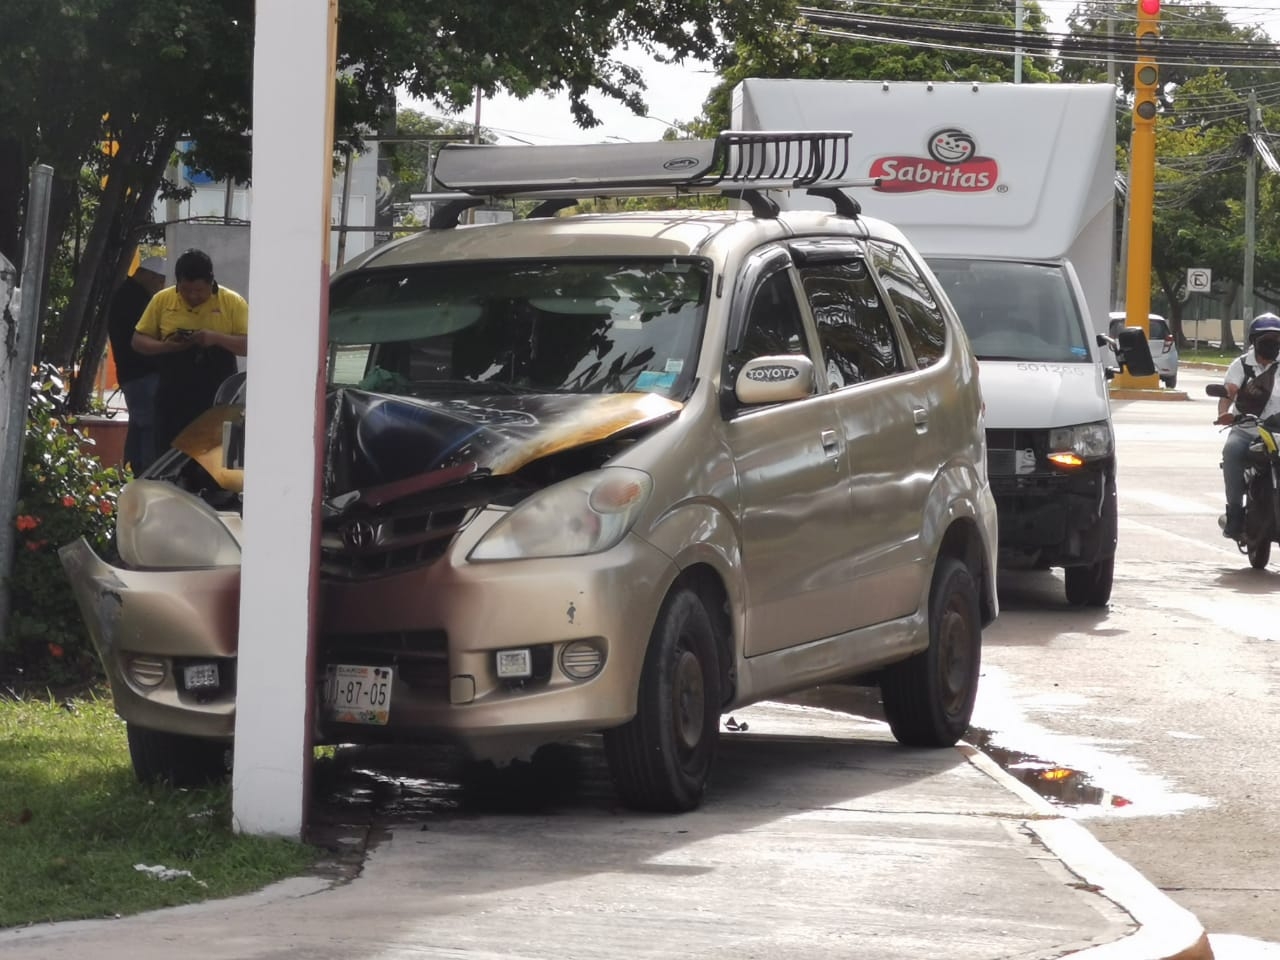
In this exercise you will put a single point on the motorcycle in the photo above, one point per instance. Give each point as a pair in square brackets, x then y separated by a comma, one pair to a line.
[1262, 485]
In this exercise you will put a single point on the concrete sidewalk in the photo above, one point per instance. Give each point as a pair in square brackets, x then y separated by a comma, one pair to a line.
[820, 838]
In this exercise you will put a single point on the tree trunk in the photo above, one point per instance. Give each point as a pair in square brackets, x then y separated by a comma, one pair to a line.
[13, 187]
[1228, 338]
[1175, 309]
[133, 216]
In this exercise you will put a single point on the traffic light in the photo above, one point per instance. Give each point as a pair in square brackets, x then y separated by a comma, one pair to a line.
[1146, 74]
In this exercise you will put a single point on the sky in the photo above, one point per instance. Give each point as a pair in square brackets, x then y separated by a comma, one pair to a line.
[676, 93]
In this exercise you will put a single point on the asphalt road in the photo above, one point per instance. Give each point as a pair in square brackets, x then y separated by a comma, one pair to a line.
[1157, 716]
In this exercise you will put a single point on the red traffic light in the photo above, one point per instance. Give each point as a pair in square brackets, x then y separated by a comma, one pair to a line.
[1150, 7]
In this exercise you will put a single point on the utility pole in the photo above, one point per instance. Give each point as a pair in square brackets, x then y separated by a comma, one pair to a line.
[1142, 175]
[1017, 50]
[1250, 213]
[1111, 51]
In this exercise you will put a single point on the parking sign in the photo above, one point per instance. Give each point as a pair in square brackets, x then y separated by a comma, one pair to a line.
[1199, 279]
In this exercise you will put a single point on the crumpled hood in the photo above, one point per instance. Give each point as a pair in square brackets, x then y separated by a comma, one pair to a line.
[375, 439]
[1027, 394]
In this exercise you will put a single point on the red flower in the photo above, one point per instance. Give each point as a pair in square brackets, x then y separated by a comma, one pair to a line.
[34, 545]
[105, 507]
[56, 651]
[27, 522]
[68, 501]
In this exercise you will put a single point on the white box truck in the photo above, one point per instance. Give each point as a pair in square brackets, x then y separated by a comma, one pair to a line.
[1008, 191]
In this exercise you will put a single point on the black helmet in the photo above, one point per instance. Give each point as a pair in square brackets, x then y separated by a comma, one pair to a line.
[1263, 323]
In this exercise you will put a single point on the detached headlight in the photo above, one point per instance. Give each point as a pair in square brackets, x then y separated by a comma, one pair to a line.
[159, 526]
[1070, 446]
[587, 514]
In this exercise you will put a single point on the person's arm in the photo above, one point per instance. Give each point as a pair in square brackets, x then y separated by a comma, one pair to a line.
[145, 343]
[235, 343]
[1225, 415]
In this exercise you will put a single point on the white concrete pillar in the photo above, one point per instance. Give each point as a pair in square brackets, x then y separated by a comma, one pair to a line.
[293, 82]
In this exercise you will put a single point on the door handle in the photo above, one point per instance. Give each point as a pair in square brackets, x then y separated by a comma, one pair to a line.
[921, 416]
[830, 444]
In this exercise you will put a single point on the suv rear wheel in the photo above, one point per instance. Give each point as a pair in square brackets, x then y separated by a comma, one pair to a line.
[928, 698]
[661, 759]
[177, 759]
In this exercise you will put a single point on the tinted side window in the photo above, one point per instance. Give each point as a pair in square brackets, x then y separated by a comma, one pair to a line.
[773, 324]
[921, 319]
[857, 337]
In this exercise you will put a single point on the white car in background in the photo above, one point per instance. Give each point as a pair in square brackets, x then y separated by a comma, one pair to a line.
[1164, 346]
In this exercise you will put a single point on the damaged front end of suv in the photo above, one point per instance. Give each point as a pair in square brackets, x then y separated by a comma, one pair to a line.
[448, 455]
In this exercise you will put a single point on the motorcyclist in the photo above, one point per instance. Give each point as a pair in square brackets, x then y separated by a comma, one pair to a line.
[1263, 348]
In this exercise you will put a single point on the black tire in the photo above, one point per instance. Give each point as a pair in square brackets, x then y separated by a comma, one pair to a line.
[1091, 586]
[1259, 553]
[1171, 382]
[928, 698]
[661, 759]
[177, 759]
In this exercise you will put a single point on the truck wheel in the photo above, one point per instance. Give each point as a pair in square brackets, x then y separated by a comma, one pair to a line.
[928, 698]
[661, 759]
[1091, 586]
[177, 759]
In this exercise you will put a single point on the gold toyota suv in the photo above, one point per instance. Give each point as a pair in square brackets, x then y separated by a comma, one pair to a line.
[614, 472]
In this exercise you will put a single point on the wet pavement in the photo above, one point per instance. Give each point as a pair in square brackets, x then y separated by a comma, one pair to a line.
[820, 837]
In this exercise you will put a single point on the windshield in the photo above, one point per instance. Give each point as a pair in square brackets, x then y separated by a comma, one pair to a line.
[1015, 311]
[548, 326]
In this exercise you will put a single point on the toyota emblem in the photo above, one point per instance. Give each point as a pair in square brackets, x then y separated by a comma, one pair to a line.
[359, 535]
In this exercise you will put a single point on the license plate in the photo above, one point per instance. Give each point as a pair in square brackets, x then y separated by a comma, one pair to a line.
[200, 676]
[357, 694]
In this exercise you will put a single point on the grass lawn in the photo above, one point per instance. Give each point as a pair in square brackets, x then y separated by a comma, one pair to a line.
[1207, 354]
[74, 822]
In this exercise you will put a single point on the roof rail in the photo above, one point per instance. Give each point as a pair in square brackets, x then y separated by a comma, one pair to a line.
[740, 164]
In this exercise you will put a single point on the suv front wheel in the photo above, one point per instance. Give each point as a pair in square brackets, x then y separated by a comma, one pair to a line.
[175, 758]
[661, 759]
[928, 698]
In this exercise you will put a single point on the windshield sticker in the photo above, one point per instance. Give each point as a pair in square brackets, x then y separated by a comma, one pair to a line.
[674, 366]
[653, 380]
[1079, 352]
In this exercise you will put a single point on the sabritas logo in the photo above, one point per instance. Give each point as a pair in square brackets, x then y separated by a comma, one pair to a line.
[952, 165]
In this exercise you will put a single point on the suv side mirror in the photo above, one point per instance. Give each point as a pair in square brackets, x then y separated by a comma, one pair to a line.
[774, 379]
[1132, 351]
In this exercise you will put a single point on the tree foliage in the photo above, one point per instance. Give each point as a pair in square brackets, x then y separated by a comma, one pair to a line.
[793, 50]
[163, 70]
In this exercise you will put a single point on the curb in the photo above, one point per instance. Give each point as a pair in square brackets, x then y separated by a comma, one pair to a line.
[1145, 393]
[1165, 931]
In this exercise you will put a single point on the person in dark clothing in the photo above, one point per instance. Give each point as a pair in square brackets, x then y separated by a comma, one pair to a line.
[194, 330]
[136, 373]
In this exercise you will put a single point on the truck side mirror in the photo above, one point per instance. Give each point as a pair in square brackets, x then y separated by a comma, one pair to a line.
[1132, 351]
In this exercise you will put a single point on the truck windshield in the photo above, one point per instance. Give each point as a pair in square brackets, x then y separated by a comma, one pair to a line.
[547, 326]
[1015, 311]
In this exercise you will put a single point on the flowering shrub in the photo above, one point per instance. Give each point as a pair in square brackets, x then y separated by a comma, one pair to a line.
[64, 494]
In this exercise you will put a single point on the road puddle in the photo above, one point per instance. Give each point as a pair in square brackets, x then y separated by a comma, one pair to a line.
[1058, 784]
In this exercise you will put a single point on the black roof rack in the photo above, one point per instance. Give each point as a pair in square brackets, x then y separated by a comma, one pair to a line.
[740, 164]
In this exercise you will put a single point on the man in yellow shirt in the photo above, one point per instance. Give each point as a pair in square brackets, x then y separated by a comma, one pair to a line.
[195, 330]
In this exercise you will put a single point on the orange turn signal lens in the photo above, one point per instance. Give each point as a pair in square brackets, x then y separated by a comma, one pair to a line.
[1066, 460]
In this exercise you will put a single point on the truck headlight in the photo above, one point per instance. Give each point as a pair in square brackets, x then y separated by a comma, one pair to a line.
[587, 514]
[159, 526]
[1085, 441]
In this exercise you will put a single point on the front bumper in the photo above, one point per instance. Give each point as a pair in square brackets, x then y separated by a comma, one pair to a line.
[1050, 516]
[146, 624]
[438, 627]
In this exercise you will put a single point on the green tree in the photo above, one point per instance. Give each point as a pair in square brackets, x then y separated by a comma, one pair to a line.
[161, 70]
[795, 50]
